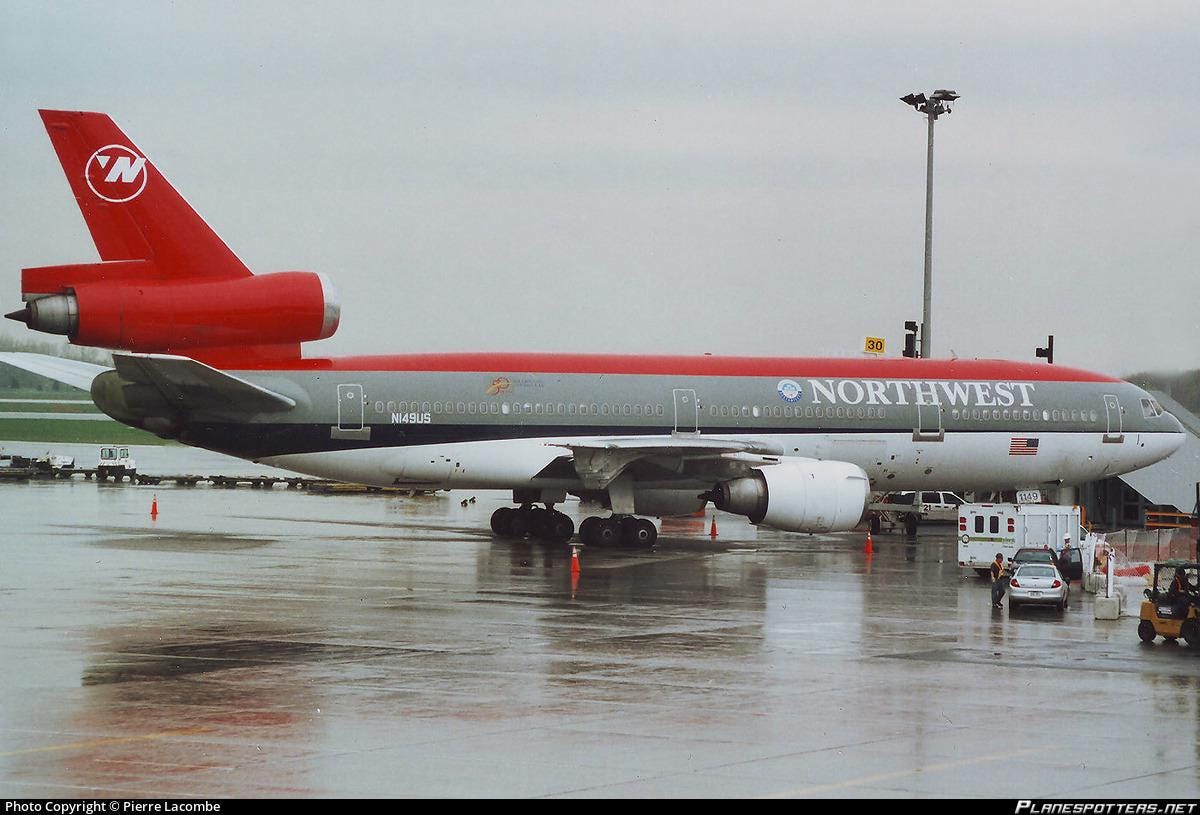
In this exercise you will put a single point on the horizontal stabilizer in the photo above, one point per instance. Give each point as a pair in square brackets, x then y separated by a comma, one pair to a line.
[68, 371]
[191, 385]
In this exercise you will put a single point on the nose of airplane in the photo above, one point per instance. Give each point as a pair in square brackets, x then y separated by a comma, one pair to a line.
[1176, 430]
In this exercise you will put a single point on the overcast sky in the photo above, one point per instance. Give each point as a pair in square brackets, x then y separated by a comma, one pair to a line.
[736, 178]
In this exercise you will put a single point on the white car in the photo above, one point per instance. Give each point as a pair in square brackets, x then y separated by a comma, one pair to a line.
[1038, 583]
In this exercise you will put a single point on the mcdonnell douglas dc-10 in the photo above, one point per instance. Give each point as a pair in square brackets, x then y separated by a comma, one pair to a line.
[209, 354]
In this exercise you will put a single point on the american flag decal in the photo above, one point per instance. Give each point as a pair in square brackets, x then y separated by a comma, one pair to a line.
[1023, 447]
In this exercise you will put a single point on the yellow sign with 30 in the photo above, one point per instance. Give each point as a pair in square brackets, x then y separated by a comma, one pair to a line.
[874, 345]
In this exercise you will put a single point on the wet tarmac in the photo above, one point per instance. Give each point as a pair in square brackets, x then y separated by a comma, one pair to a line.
[274, 643]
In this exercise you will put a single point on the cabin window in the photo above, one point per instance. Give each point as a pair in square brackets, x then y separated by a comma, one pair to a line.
[978, 524]
[994, 524]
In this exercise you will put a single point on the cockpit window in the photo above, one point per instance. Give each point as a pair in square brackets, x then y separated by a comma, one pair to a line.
[1151, 408]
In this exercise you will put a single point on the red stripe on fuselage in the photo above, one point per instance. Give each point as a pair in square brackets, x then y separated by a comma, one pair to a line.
[501, 363]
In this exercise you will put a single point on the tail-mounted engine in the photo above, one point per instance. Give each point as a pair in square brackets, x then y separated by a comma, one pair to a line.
[121, 305]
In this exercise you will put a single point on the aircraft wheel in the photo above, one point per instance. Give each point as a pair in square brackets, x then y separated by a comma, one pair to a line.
[638, 532]
[520, 523]
[501, 521]
[1146, 631]
[558, 527]
[539, 522]
[606, 532]
[587, 530]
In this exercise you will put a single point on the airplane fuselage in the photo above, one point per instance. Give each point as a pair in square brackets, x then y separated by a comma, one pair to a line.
[493, 421]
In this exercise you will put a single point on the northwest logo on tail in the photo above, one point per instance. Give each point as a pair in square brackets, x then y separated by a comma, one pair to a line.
[116, 173]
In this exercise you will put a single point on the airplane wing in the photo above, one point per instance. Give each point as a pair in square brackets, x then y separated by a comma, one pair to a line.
[193, 385]
[68, 371]
[598, 462]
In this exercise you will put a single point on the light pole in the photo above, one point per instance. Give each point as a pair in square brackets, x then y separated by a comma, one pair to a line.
[932, 106]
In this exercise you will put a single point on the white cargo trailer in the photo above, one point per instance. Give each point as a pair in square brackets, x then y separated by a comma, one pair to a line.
[985, 529]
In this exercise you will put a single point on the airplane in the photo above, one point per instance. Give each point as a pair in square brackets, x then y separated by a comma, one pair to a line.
[209, 354]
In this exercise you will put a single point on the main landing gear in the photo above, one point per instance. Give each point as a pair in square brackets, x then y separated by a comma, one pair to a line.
[539, 522]
[618, 531]
[553, 526]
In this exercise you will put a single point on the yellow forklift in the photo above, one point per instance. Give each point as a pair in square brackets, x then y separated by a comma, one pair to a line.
[1172, 606]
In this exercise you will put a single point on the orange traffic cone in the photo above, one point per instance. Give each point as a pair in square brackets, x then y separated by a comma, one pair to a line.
[574, 561]
[154, 509]
[870, 550]
[712, 532]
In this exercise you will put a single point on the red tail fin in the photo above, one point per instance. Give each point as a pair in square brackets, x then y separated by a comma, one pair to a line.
[167, 283]
[131, 210]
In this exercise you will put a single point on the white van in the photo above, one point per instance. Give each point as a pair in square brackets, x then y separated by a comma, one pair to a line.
[985, 529]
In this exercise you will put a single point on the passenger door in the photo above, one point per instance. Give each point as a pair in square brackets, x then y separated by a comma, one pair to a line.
[687, 411]
[350, 410]
[1112, 412]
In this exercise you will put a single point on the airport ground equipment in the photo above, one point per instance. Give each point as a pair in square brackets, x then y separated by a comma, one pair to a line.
[985, 529]
[1170, 611]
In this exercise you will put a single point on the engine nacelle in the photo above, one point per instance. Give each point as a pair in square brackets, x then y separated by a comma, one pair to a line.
[157, 315]
[798, 496]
